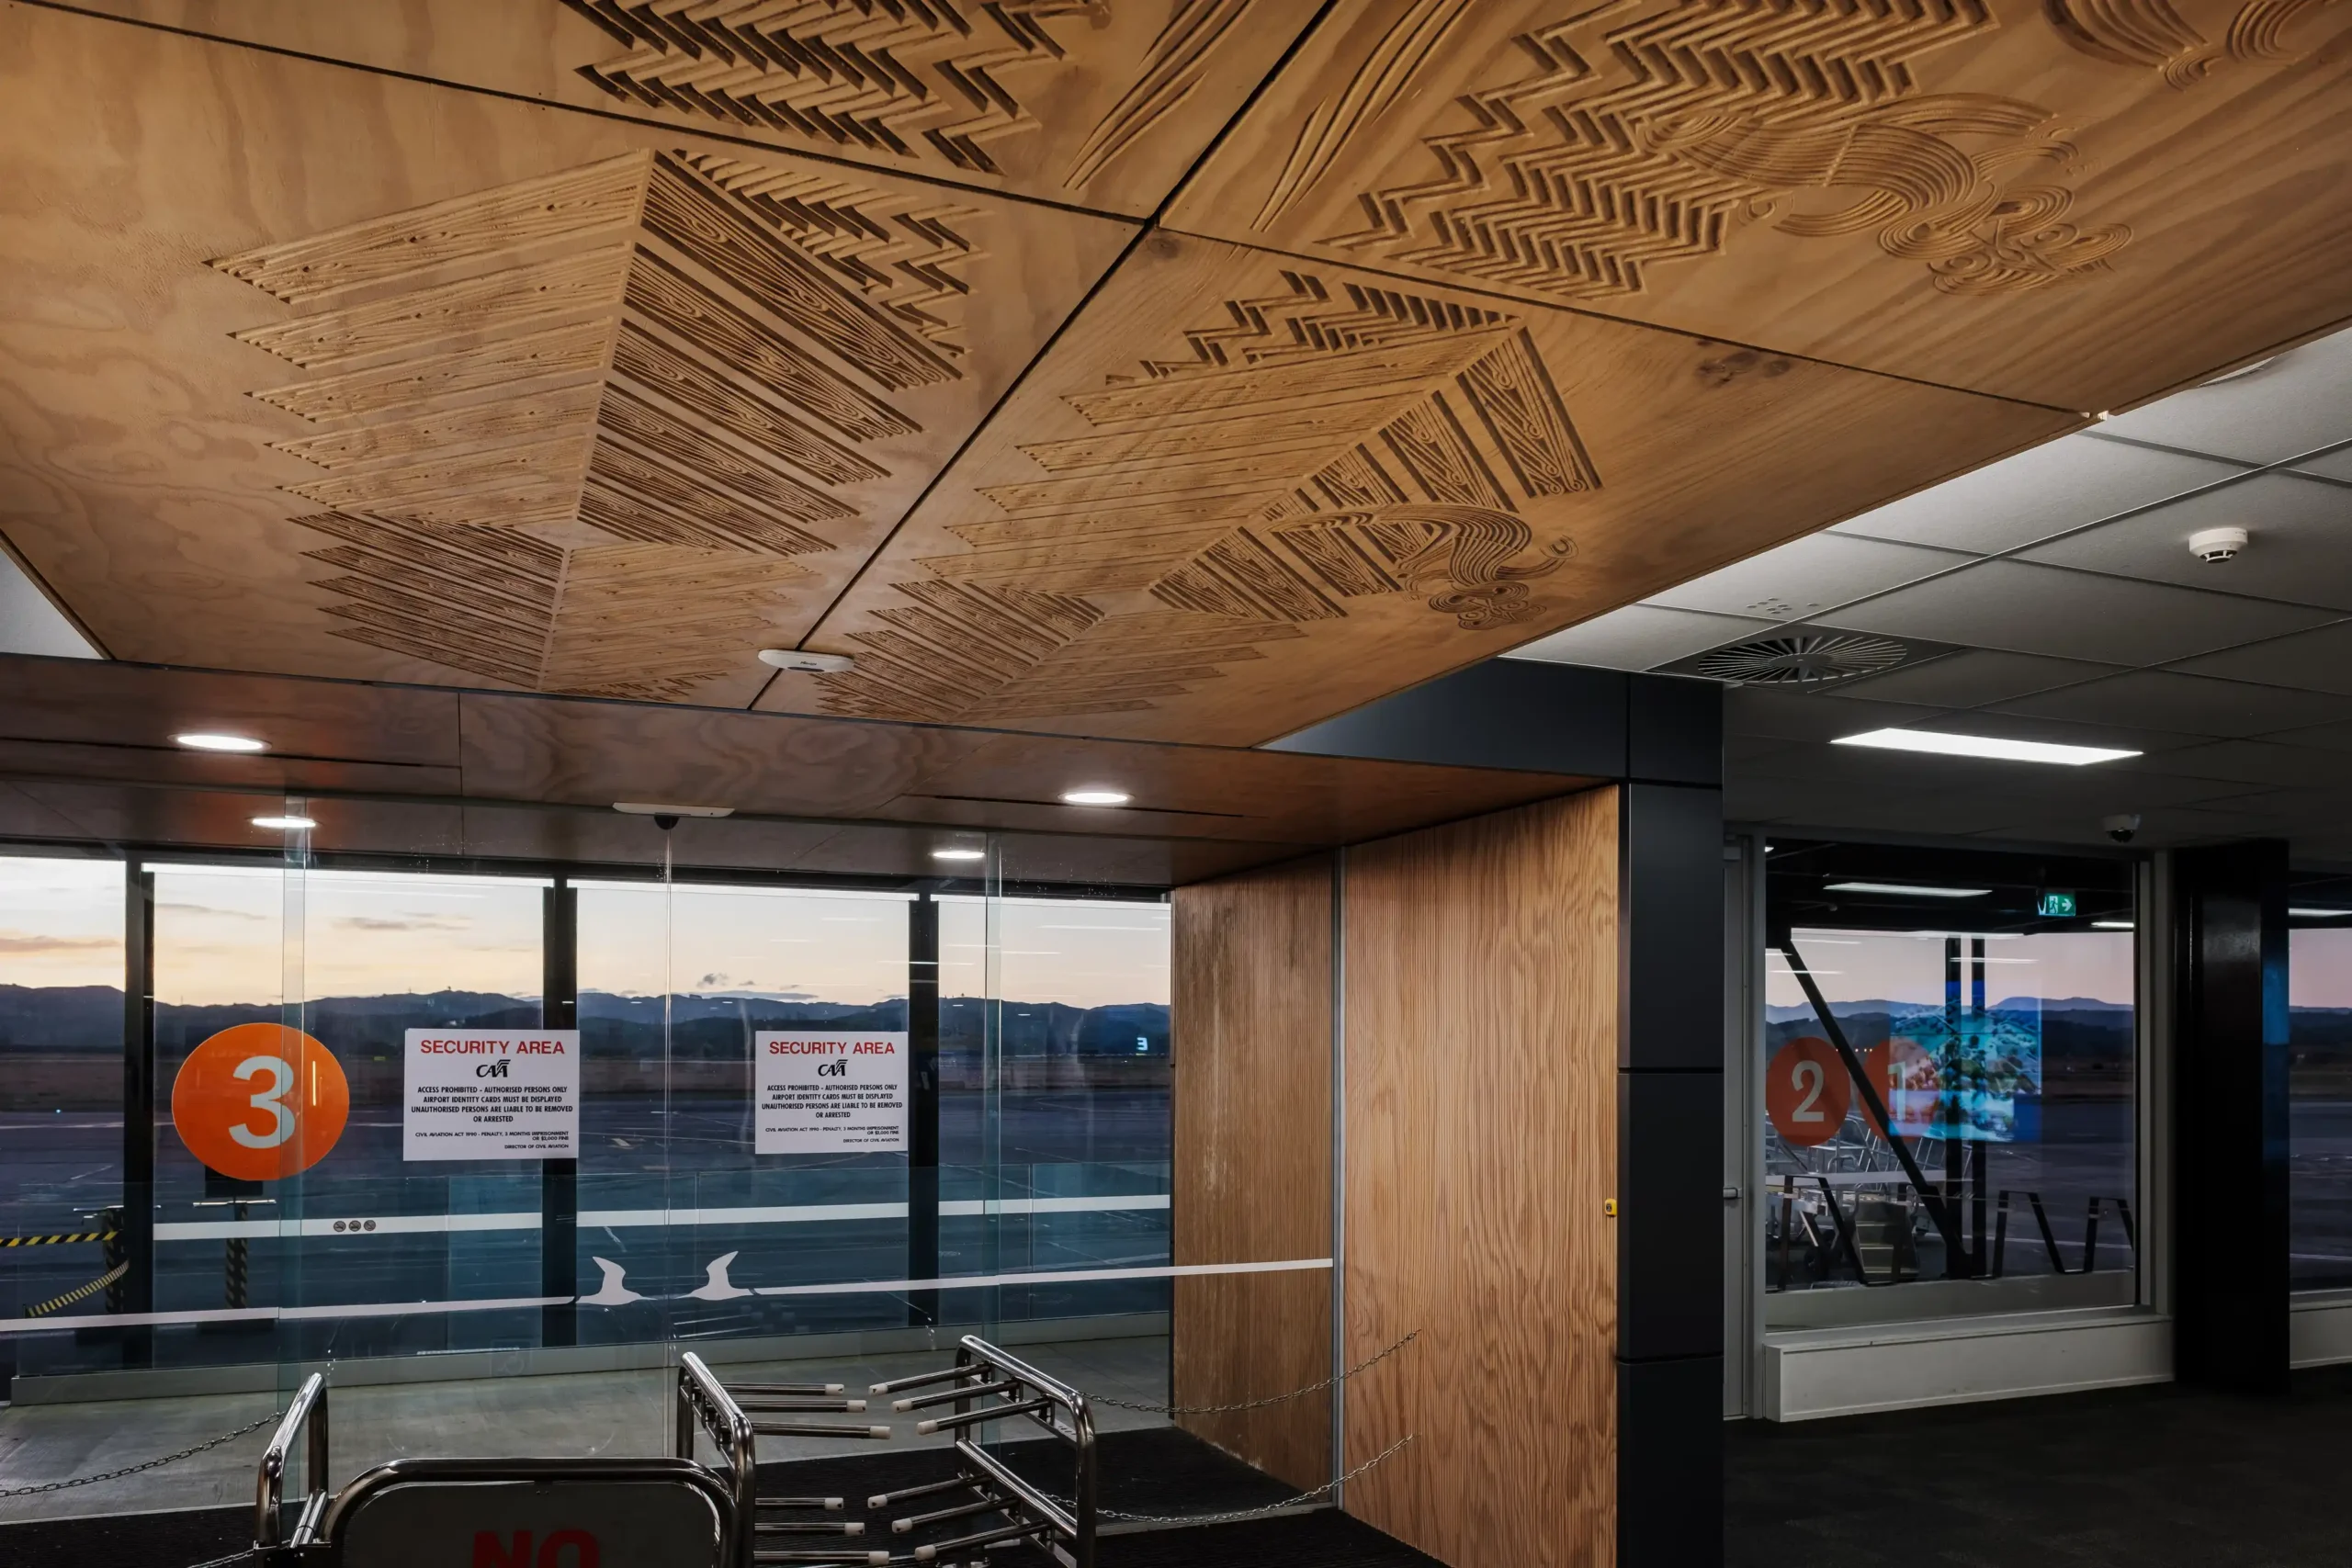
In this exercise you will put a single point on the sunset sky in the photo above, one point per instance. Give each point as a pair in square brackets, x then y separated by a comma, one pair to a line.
[218, 937]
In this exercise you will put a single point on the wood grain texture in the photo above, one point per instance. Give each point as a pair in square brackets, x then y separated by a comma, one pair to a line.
[492, 391]
[886, 794]
[1240, 495]
[1481, 1103]
[1100, 103]
[2001, 194]
[1251, 969]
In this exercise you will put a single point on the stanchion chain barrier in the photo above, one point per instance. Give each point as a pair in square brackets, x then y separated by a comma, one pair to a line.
[79, 1292]
[1232, 1516]
[1364, 1365]
[189, 1452]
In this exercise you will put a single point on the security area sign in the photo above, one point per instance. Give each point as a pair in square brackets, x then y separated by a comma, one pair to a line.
[492, 1094]
[832, 1093]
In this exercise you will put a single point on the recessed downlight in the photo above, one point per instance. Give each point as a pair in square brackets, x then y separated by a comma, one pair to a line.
[1095, 794]
[1939, 744]
[1906, 889]
[213, 740]
[959, 854]
[285, 824]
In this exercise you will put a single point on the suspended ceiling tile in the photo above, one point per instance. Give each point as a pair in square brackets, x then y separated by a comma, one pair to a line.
[29, 622]
[2244, 761]
[1797, 716]
[2296, 552]
[2334, 465]
[2066, 484]
[2297, 402]
[2158, 699]
[1972, 678]
[2026, 187]
[1806, 576]
[2324, 737]
[2105, 733]
[490, 392]
[2317, 661]
[1640, 636]
[2026, 608]
[1069, 101]
[1241, 493]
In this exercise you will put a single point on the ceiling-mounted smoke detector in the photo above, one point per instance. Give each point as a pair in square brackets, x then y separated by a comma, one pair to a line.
[805, 663]
[1800, 658]
[2215, 545]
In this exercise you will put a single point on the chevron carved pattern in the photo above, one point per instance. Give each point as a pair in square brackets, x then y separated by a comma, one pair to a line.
[1637, 135]
[573, 433]
[1312, 448]
[927, 80]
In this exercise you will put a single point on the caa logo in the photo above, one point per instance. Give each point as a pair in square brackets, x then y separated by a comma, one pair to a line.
[561, 1549]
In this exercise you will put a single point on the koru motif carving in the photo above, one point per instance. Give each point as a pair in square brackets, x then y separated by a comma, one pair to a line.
[574, 430]
[2151, 35]
[1316, 446]
[1639, 134]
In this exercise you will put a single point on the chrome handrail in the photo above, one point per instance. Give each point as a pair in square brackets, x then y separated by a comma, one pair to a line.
[704, 1401]
[1074, 1527]
[308, 1409]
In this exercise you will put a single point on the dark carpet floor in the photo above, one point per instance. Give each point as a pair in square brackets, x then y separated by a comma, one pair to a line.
[1160, 1472]
[2155, 1477]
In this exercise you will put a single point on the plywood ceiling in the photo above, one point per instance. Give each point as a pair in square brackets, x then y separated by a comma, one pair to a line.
[1175, 370]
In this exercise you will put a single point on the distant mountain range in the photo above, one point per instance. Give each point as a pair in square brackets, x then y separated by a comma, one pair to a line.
[1777, 1014]
[72, 1018]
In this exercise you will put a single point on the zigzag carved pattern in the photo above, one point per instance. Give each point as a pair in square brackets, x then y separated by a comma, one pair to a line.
[1651, 141]
[678, 400]
[1308, 453]
[914, 78]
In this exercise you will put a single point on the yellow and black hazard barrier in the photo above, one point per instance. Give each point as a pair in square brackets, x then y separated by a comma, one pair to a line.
[60, 1239]
[79, 1292]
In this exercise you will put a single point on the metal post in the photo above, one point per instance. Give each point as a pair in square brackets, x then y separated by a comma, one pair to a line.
[135, 1290]
[1977, 1151]
[560, 1178]
[923, 1107]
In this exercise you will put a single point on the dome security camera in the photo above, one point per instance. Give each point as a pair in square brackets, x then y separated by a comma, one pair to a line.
[2122, 826]
[2215, 545]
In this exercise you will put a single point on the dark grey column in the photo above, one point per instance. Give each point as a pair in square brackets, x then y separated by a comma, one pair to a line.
[1670, 1062]
[923, 1107]
[2230, 1227]
[560, 1178]
[135, 1243]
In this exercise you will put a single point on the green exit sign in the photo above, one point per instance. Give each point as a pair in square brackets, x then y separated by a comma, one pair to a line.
[2058, 905]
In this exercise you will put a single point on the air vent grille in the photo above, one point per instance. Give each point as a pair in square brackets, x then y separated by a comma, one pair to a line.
[1802, 659]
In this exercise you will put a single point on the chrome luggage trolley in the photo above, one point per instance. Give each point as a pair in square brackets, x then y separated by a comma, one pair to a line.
[506, 1513]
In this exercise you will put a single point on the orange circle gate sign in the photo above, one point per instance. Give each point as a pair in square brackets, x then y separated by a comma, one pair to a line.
[259, 1102]
[1807, 1091]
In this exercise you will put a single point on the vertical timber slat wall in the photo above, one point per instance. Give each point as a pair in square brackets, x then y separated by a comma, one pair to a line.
[1482, 1109]
[1251, 964]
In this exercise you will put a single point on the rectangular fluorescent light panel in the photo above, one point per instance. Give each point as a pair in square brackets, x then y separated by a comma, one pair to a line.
[2111, 925]
[1904, 888]
[1990, 745]
[2319, 914]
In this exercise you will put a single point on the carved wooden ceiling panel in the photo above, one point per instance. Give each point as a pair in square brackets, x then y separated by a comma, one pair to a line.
[1102, 104]
[584, 412]
[1306, 486]
[1151, 368]
[2000, 195]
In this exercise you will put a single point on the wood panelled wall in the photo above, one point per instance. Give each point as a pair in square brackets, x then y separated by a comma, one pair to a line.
[1480, 1075]
[1251, 963]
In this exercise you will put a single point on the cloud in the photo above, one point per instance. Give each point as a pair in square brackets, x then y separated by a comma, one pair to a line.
[712, 979]
[210, 909]
[402, 923]
[17, 941]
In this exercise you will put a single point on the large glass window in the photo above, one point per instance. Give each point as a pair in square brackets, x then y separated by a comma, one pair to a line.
[2320, 1080]
[60, 1071]
[1949, 1049]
